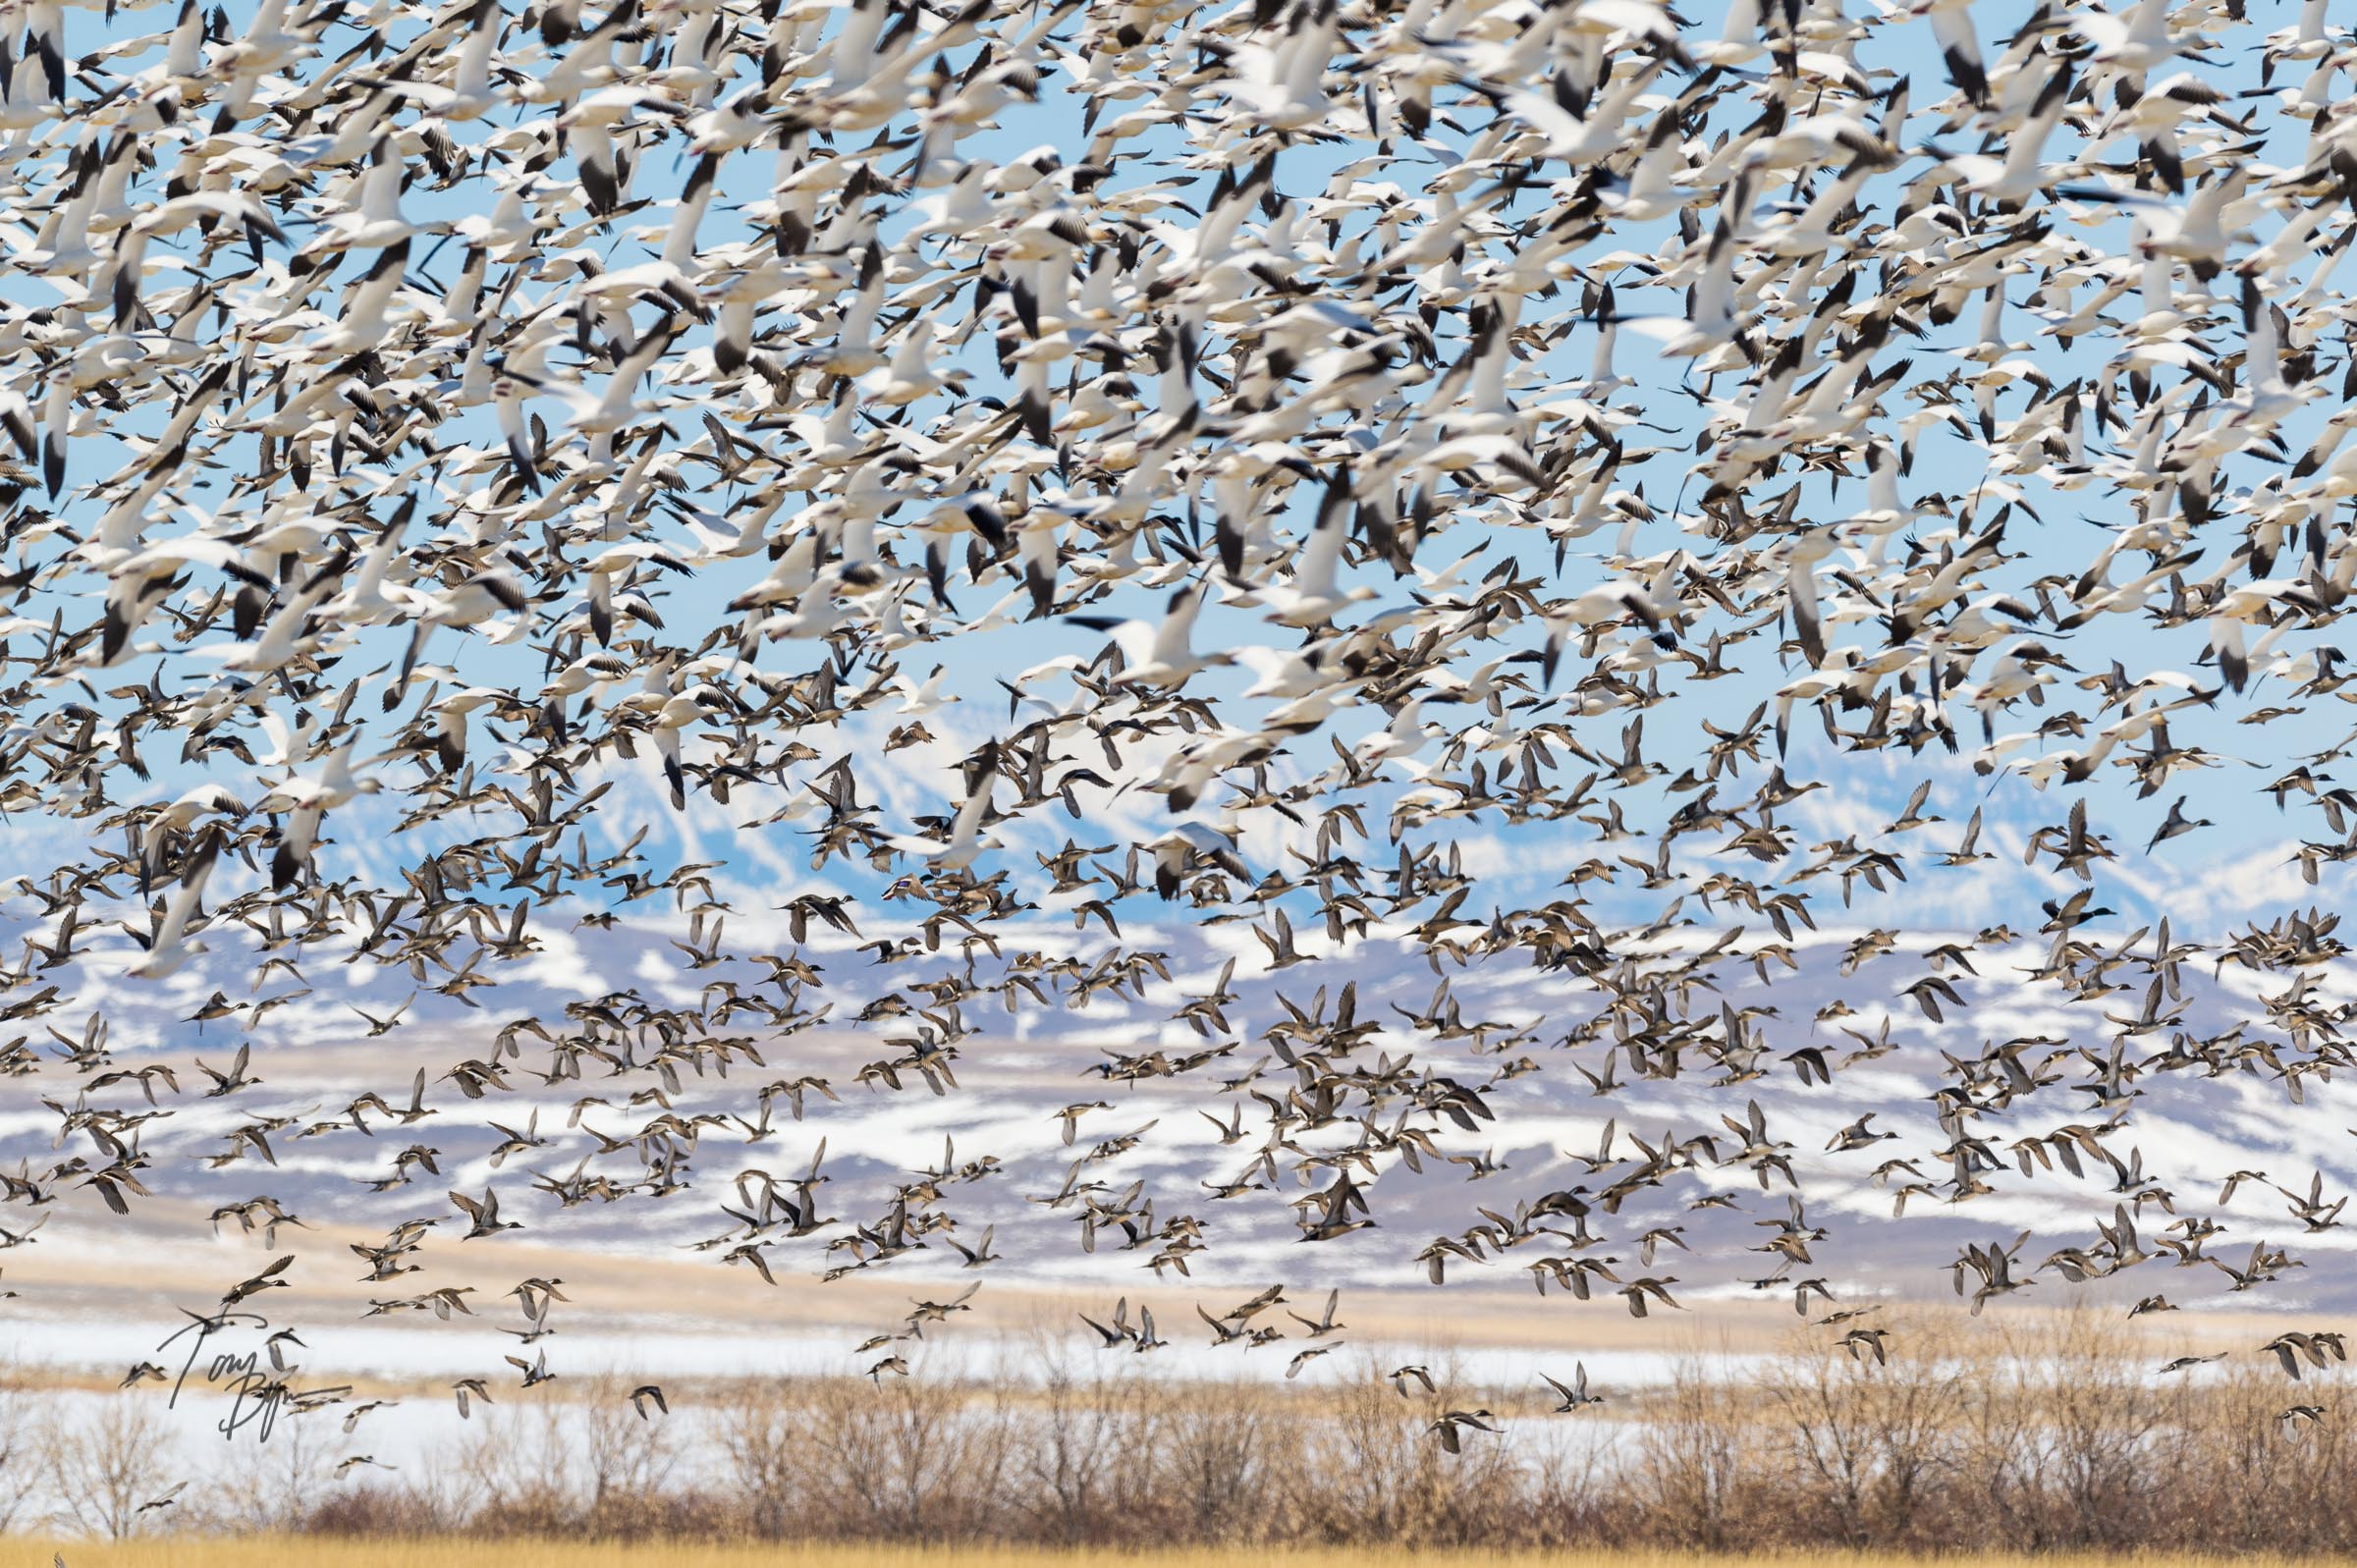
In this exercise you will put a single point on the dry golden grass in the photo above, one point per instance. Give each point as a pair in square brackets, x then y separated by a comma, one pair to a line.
[449, 1553]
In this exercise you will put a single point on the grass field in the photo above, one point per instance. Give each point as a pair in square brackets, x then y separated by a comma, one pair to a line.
[316, 1552]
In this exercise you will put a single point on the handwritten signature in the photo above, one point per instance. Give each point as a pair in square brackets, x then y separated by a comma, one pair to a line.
[256, 1395]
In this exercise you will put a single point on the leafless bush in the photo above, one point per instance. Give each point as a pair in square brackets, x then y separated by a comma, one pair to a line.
[22, 1448]
[2095, 1416]
[919, 1460]
[1695, 1449]
[628, 1459]
[107, 1463]
[523, 1453]
[257, 1487]
[1224, 1455]
[1867, 1429]
[1370, 1469]
[758, 1433]
[1083, 1458]
[2048, 1432]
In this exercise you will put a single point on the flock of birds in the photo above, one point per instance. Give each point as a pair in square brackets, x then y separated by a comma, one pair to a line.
[1223, 461]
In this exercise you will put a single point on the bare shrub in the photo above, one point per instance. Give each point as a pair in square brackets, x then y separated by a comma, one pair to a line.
[757, 1432]
[1866, 1436]
[922, 1461]
[521, 1461]
[626, 1460]
[1222, 1456]
[1694, 1448]
[2050, 1431]
[22, 1448]
[1080, 1457]
[1371, 1471]
[257, 1487]
[107, 1463]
